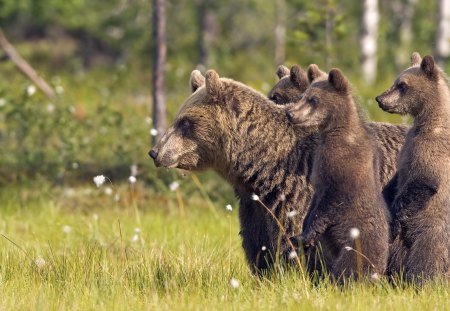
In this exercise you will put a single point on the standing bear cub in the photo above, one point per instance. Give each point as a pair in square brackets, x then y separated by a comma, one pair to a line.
[348, 216]
[419, 193]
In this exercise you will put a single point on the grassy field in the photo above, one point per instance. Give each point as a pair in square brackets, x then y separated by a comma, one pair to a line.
[129, 247]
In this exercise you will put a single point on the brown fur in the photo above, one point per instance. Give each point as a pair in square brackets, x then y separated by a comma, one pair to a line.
[290, 87]
[419, 193]
[226, 126]
[347, 193]
[234, 135]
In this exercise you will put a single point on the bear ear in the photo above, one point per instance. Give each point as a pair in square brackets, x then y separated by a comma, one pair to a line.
[197, 80]
[213, 83]
[428, 67]
[299, 78]
[337, 79]
[314, 73]
[282, 71]
[416, 59]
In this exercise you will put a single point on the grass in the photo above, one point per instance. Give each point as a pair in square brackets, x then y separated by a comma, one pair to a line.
[183, 259]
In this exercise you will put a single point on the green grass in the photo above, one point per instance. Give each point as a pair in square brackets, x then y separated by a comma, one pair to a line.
[184, 258]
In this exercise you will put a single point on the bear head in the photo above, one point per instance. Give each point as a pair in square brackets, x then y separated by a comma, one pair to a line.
[322, 101]
[204, 123]
[413, 87]
[291, 85]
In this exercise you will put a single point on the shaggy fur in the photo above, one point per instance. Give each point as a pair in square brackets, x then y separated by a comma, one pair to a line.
[345, 177]
[231, 131]
[419, 193]
[290, 87]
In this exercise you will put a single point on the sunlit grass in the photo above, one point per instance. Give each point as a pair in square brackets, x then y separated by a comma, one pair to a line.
[180, 261]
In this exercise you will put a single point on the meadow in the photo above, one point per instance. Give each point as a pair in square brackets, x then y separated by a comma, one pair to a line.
[125, 246]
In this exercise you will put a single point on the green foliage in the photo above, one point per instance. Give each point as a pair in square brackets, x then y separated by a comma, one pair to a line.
[99, 52]
[71, 136]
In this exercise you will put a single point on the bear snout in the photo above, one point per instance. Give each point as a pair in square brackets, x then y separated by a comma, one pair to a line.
[378, 99]
[153, 154]
[290, 116]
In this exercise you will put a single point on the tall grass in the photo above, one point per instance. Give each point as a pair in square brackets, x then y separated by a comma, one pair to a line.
[77, 251]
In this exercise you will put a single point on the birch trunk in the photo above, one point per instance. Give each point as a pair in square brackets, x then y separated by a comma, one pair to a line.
[368, 40]
[443, 33]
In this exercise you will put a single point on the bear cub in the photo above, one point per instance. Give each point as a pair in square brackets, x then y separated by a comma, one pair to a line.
[348, 219]
[419, 192]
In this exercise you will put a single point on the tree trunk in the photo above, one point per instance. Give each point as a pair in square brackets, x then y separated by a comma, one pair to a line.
[404, 9]
[159, 60]
[368, 40]
[207, 31]
[443, 33]
[24, 67]
[280, 32]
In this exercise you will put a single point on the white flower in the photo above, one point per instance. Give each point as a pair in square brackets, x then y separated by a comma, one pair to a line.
[40, 262]
[255, 197]
[174, 185]
[132, 179]
[291, 214]
[292, 255]
[133, 170]
[229, 207]
[263, 248]
[234, 283]
[67, 229]
[31, 89]
[135, 238]
[375, 277]
[354, 233]
[95, 217]
[59, 89]
[2, 102]
[75, 165]
[50, 108]
[108, 191]
[348, 248]
[153, 132]
[99, 180]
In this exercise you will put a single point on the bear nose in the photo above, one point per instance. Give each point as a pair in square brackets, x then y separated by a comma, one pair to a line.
[290, 115]
[378, 99]
[153, 154]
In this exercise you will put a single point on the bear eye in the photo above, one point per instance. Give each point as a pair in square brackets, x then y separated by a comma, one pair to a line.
[276, 98]
[402, 87]
[185, 126]
[313, 101]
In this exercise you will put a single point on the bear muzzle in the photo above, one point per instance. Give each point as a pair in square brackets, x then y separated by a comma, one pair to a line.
[383, 105]
[290, 116]
[153, 154]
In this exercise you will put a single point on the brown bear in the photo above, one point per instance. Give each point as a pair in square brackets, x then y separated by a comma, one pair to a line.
[419, 193]
[390, 137]
[290, 87]
[228, 127]
[345, 178]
